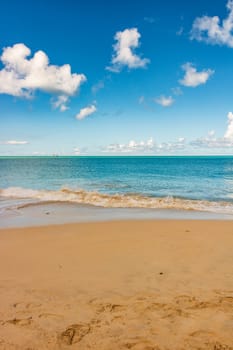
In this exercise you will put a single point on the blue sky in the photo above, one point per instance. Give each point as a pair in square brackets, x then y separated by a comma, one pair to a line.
[149, 77]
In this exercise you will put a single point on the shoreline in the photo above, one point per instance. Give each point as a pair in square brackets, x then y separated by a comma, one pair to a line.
[42, 214]
[162, 284]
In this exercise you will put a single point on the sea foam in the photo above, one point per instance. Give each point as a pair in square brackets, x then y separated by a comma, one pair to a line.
[94, 198]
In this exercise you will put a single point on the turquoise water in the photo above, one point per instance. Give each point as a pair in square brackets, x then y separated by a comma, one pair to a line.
[194, 183]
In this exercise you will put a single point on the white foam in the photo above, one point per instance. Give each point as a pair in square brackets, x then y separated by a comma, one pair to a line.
[117, 200]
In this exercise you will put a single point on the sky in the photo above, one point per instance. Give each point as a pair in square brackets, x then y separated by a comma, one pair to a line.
[116, 78]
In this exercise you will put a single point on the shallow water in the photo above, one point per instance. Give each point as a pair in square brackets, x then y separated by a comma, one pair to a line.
[199, 184]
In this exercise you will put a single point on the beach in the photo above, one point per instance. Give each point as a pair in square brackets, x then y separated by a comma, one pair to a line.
[116, 175]
[149, 284]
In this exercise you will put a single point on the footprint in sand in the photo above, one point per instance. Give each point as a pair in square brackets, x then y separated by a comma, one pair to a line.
[107, 307]
[227, 300]
[23, 305]
[50, 315]
[218, 346]
[74, 334]
[140, 345]
[19, 322]
[206, 340]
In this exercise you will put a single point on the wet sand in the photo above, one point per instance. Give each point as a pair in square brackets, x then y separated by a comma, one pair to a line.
[153, 285]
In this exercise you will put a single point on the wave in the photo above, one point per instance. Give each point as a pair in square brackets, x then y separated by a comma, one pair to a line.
[114, 201]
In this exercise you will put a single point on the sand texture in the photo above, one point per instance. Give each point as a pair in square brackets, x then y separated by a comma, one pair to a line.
[140, 285]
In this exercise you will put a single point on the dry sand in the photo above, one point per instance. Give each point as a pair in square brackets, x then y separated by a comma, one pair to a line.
[117, 285]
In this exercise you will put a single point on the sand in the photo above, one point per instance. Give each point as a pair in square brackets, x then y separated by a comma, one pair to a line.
[150, 285]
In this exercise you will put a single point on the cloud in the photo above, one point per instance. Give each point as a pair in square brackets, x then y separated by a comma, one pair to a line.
[213, 142]
[124, 55]
[141, 100]
[14, 142]
[211, 133]
[85, 112]
[95, 88]
[180, 31]
[131, 147]
[80, 151]
[164, 101]
[61, 103]
[181, 145]
[148, 146]
[177, 91]
[193, 78]
[229, 131]
[77, 151]
[212, 31]
[21, 76]
[171, 147]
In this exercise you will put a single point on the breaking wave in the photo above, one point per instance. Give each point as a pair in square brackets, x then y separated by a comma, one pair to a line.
[114, 201]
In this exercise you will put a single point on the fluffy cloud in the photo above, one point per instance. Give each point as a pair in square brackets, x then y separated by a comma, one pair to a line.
[15, 142]
[171, 147]
[211, 31]
[213, 142]
[61, 103]
[148, 146]
[21, 75]
[124, 55]
[211, 133]
[193, 78]
[164, 101]
[85, 112]
[209, 142]
[229, 131]
[131, 147]
[77, 151]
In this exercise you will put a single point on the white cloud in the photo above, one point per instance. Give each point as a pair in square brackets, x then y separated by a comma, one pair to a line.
[171, 147]
[131, 147]
[164, 101]
[211, 133]
[229, 132]
[124, 55]
[180, 146]
[85, 112]
[212, 31]
[77, 151]
[148, 146]
[80, 150]
[193, 78]
[21, 76]
[211, 142]
[15, 142]
[61, 103]
[216, 142]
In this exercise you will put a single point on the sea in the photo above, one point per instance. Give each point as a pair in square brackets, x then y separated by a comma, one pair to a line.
[41, 190]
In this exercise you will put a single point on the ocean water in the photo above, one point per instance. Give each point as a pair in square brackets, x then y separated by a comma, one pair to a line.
[203, 184]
